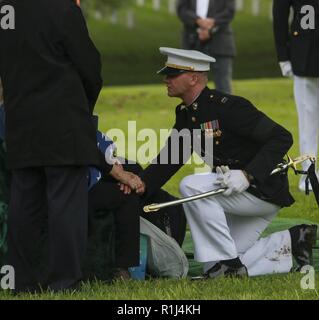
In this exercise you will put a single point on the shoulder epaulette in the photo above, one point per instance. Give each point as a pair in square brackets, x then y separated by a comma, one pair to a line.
[219, 98]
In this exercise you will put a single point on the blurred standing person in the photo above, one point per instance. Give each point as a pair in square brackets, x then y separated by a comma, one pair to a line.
[50, 71]
[207, 29]
[298, 54]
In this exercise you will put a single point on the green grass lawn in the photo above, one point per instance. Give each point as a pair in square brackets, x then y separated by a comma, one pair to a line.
[276, 287]
[151, 108]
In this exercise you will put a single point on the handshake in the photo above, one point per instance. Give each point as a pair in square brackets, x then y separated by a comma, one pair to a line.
[127, 181]
[236, 181]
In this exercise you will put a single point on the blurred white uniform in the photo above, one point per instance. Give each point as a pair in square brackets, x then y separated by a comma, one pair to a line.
[306, 92]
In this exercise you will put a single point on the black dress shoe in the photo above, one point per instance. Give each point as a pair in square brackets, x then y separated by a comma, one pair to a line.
[220, 270]
[303, 238]
[121, 274]
[74, 286]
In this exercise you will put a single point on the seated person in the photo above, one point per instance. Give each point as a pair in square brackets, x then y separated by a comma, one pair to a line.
[111, 189]
[105, 194]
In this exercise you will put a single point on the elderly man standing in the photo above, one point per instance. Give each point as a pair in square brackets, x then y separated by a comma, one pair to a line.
[247, 146]
[50, 72]
[207, 29]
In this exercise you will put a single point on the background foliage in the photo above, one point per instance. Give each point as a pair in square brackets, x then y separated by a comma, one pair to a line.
[131, 56]
[105, 4]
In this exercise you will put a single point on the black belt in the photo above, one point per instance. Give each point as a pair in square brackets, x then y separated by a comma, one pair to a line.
[231, 163]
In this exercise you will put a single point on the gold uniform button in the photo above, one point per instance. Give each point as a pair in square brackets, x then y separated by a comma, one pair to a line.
[296, 33]
[195, 106]
[211, 96]
[193, 119]
[217, 142]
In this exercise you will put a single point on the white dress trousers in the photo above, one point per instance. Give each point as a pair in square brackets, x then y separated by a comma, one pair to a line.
[306, 91]
[227, 227]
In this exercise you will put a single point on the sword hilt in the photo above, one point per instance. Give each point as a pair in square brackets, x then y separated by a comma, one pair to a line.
[292, 163]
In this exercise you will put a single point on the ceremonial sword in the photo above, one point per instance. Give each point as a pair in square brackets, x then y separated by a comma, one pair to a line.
[282, 167]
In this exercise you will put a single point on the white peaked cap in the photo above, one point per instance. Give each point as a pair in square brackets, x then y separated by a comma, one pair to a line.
[179, 61]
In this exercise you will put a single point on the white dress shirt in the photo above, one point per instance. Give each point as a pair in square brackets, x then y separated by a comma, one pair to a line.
[202, 8]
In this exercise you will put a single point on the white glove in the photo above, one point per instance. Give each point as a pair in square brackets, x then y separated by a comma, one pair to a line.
[234, 180]
[286, 68]
[223, 173]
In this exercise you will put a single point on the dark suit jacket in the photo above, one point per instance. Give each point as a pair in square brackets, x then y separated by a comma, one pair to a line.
[294, 43]
[249, 141]
[50, 71]
[222, 40]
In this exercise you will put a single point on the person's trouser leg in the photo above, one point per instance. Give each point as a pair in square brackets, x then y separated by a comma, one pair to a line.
[269, 255]
[306, 91]
[67, 194]
[260, 255]
[222, 71]
[207, 221]
[127, 209]
[26, 220]
[226, 227]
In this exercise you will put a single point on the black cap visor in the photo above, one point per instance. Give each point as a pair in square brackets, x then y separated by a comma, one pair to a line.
[168, 71]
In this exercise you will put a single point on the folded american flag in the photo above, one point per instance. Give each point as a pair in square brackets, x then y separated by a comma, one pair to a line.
[107, 148]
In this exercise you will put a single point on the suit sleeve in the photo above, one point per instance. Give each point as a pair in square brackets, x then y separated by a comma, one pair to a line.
[226, 16]
[170, 159]
[1, 93]
[246, 121]
[104, 166]
[82, 52]
[281, 10]
[186, 15]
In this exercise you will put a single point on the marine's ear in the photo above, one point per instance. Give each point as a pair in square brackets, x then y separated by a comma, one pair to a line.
[194, 78]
